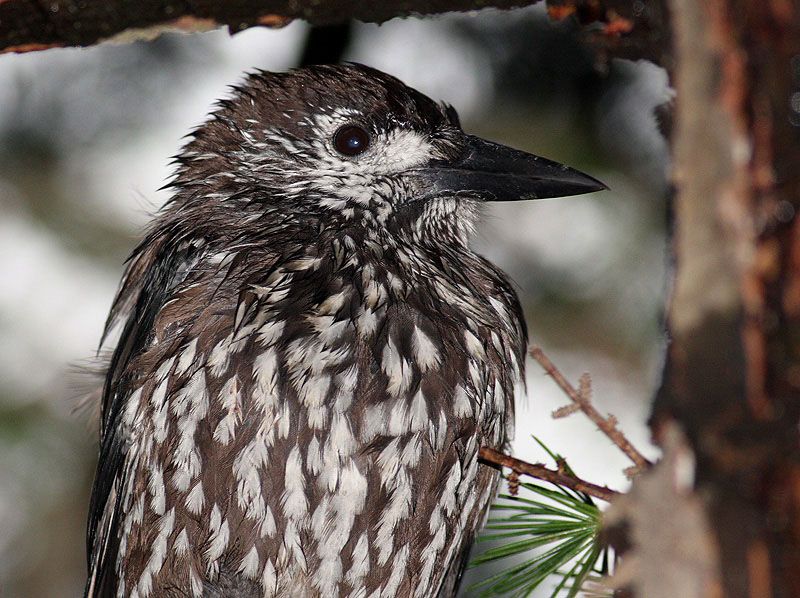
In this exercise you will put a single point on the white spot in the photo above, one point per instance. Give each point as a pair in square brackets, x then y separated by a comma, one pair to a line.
[218, 538]
[220, 357]
[374, 294]
[345, 385]
[160, 425]
[158, 553]
[441, 431]
[230, 398]
[366, 322]
[294, 500]
[402, 149]
[418, 413]
[498, 307]
[474, 345]
[195, 499]
[313, 457]
[268, 527]
[247, 470]
[313, 389]
[407, 417]
[164, 368]
[196, 583]
[270, 332]
[190, 405]
[462, 406]
[412, 451]
[360, 562]
[328, 330]
[181, 545]
[303, 263]
[398, 509]
[374, 422]
[447, 502]
[428, 560]
[333, 524]
[396, 368]
[132, 408]
[497, 343]
[425, 350]
[320, 518]
[341, 442]
[155, 486]
[499, 396]
[249, 564]
[477, 373]
[399, 571]
[137, 513]
[265, 375]
[193, 397]
[269, 580]
[284, 421]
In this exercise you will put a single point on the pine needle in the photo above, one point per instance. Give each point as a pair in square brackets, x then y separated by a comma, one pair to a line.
[555, 532]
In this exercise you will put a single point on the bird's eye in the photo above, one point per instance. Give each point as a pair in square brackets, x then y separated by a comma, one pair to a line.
[351, 140]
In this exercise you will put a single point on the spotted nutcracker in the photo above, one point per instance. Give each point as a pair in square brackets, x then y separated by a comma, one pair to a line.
[310, 355]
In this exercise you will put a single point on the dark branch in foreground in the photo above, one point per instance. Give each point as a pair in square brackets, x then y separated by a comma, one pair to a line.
[27, 25]
[540, 472]
[608, 425]
[624, 28]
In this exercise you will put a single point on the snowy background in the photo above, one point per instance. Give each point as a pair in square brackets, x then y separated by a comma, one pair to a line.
[85, 140]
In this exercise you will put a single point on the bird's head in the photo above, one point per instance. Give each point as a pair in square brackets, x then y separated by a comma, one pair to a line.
[350, 146]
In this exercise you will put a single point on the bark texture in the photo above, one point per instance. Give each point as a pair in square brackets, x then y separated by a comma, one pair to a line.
[733, 375]
[665, 522]
[618, 27]
[27, 25]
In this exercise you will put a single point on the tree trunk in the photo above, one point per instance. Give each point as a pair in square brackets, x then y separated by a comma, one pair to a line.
[733, 375]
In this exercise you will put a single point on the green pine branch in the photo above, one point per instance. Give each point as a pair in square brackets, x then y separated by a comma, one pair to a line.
[544, 532]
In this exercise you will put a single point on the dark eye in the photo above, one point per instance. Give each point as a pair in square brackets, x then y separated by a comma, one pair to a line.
[351, 140]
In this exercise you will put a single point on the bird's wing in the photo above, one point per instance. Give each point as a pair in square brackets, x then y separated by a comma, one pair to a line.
[152, 275]
[487, 478]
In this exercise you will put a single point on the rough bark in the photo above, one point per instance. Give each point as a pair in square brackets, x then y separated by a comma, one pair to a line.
[616, 27]
[733, 380]
[27, 25]
[670, 548]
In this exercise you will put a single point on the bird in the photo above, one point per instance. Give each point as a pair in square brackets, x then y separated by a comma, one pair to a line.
[306, 355]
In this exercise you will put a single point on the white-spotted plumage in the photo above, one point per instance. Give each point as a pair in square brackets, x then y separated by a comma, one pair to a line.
[306, 375]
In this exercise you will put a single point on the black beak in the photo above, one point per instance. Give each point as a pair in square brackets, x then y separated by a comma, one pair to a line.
[491, 172]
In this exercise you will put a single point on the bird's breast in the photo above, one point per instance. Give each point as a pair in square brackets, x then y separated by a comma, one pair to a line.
[321, 435]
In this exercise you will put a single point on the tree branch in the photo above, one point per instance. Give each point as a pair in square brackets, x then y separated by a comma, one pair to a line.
[28, 25]
[625, 28]
[540, 472]
[607, 425]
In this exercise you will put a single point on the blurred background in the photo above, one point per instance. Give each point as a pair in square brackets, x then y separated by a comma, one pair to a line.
[86, 137]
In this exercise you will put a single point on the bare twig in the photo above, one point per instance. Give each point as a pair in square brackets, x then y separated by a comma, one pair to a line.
[513, 482]
[582, 398]
[566, 410]
[540, 472]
